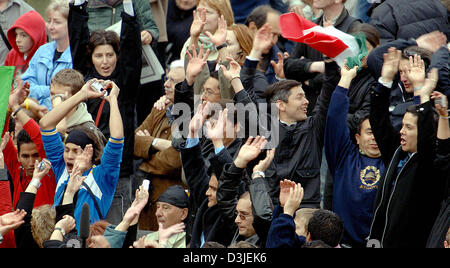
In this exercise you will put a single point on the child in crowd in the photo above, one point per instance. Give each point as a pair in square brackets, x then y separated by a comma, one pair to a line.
[26, 35]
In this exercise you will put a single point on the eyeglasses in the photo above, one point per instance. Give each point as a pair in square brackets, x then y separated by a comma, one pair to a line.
[243, 216]
[210, 93]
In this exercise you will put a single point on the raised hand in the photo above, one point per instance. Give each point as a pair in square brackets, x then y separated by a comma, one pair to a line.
[84, 160]
[347, 72]
[294, 199]
[278, 66]
[161, 103]
[11, 220]
[285, 186]
[298, 9]
[67, 223]
[90, 93]
[198, 119]
[199, 21]
[215, 130]
[141, 198]
[391, 64]
[415, 71]
[432, 41]
[5, 140]
[429, 85]
[75, 180]
[220, 36]
[196, 63]
[20, 93]
[165, 234]
[347, 75]
[39, 174]
[250, 150]
[440, 103]
[265, 163]
[262, 41]
[233, 71]
[114, 92]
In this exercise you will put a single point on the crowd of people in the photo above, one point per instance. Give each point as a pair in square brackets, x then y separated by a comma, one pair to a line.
[250, 139]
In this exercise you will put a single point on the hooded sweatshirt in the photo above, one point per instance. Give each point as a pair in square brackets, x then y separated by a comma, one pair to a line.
[32, 24]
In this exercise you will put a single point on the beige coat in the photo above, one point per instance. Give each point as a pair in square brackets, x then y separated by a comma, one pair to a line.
[159, 10]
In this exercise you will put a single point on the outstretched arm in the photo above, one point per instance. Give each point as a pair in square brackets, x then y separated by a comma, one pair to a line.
[51, 119]
[337, 134]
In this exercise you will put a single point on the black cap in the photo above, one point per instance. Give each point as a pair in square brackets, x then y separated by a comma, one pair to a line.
[175, 195]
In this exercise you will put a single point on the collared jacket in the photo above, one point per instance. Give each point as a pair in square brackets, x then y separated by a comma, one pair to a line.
[228, 192]
[409, 198]
[41, 70]
[101, 180]
[298, 155]
[209, 224]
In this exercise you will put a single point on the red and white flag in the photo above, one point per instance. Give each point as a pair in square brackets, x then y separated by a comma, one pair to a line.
[328, 40]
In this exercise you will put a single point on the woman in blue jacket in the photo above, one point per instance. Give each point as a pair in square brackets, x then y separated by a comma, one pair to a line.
[51, 57]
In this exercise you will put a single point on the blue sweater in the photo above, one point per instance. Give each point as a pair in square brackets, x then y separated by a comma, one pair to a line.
[356, 176]
[282, 231]
[101, 179]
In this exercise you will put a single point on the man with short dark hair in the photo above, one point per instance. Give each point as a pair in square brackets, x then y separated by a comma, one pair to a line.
[326, 226]
[356, 169]
[298, 154]
[407, 201]
[20, 161]
[258, 18]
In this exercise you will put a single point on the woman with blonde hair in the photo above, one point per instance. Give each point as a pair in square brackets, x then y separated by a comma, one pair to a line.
[206, 23]
[51, 57]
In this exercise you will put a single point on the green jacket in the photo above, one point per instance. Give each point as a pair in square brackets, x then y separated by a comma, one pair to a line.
[101, 16]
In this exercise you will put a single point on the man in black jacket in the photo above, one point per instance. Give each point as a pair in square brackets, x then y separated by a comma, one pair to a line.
[298, 155]
[249, 213]
[413, 186]
[202, 180]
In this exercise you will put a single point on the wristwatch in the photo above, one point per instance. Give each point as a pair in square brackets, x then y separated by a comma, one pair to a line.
[258, 174]
[61, 230]
[221, 46]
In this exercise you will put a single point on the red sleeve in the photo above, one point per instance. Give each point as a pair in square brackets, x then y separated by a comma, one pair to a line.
[6, 207]
[46, 193]
[34, 131]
